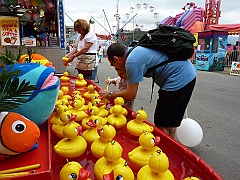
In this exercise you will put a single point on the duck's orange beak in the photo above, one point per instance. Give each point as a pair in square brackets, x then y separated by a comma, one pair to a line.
[157, 140]
[109, 176]
[134, 115]
[91, 123]
[100, 104]
[79, 130]
[73, 117]
[83, 174]
[87, 112]
[99, 129]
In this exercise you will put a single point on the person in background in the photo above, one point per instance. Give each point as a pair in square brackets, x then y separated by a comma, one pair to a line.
[175, 79]
[100, 53]
[85, 49]
[233, 56]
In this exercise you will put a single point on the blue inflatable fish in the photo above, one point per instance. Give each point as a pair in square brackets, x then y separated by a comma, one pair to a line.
[41, 103]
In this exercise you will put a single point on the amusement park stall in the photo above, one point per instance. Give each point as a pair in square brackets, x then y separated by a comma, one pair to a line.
[211, 50]
[35, 23]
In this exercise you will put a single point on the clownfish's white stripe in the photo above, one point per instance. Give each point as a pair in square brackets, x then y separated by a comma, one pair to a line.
[4, 150]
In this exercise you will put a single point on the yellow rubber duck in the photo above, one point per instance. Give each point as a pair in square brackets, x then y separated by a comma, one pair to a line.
[91, 92]
[119, 101]
[73, 145]
[80, 82]
[106, 134]
[78, 110]
[103, 112]
[137, 126]
[61, 99]
[91, 134]
[141, 154]
[65, 91]
[65, 77]
[120, 171]
[65, 118]
[92, 112]
[117, 119]
[112, 156]
[57, 112]
[157, 169]
[74, 170]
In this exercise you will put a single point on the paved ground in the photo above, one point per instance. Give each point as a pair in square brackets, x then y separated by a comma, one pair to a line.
[214, 105]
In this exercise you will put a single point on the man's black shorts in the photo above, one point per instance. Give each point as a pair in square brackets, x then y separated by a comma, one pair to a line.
[171, 106]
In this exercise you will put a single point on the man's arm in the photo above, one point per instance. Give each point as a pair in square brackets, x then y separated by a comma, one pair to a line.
[127, 94]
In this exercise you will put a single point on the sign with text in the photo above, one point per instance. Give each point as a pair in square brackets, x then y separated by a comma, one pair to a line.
[235, 69]
[9, 29]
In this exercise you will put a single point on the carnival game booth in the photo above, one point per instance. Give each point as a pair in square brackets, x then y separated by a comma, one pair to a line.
[211, 50]
[35, 23]
[49, 162]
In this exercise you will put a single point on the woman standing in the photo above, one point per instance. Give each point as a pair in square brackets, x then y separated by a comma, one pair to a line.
[85, 50]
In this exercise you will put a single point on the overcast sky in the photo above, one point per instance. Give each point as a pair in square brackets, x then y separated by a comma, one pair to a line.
[85, 9]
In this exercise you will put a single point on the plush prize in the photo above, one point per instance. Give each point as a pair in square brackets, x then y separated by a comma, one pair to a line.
[17, 134]
[36, 58]
[41, 103]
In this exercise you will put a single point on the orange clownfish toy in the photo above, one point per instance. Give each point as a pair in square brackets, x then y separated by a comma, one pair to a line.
[36, 58]
[17, 134]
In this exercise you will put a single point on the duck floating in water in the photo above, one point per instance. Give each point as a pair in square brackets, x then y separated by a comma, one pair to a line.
[117, 119]
[106, 134]
[78, 108]
[73, 170]
[61, 99]
[91, 134]
[120, 171]
[137, 126]
[141, 154]
[157, 169]
[18, 134]
[57, 112]
[91, 92]
[119, 101]
[80, 82]
[73, 145]
[112, 156]
[64, 77]
[92, 114]
[66, 117]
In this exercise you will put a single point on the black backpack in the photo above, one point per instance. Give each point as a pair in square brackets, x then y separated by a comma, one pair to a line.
[176, 42]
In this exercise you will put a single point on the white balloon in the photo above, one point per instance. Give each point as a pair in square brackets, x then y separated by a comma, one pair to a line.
[189, 133]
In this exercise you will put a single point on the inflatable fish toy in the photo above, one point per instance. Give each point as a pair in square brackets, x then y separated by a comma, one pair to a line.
[41, 103]
[17, 134]
[36, 58]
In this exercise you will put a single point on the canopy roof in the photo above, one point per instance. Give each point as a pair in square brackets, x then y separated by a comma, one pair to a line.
[232, 29]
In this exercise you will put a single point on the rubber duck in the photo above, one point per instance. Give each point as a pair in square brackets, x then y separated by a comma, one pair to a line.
[61, 99]
[120, 171]
[112, 156]
[137, 126]
[103, 112]
[74, 170]
[58, 110]
[91, 92]
[141, 154]
[73, 145]
[157, 169]
[78, 108]
[117, 119]
[80, 82]
[119, 101]
[106, 134]
[65, 77]
[65, 91]
[65, 118]
[92, 112]
[91, 134]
